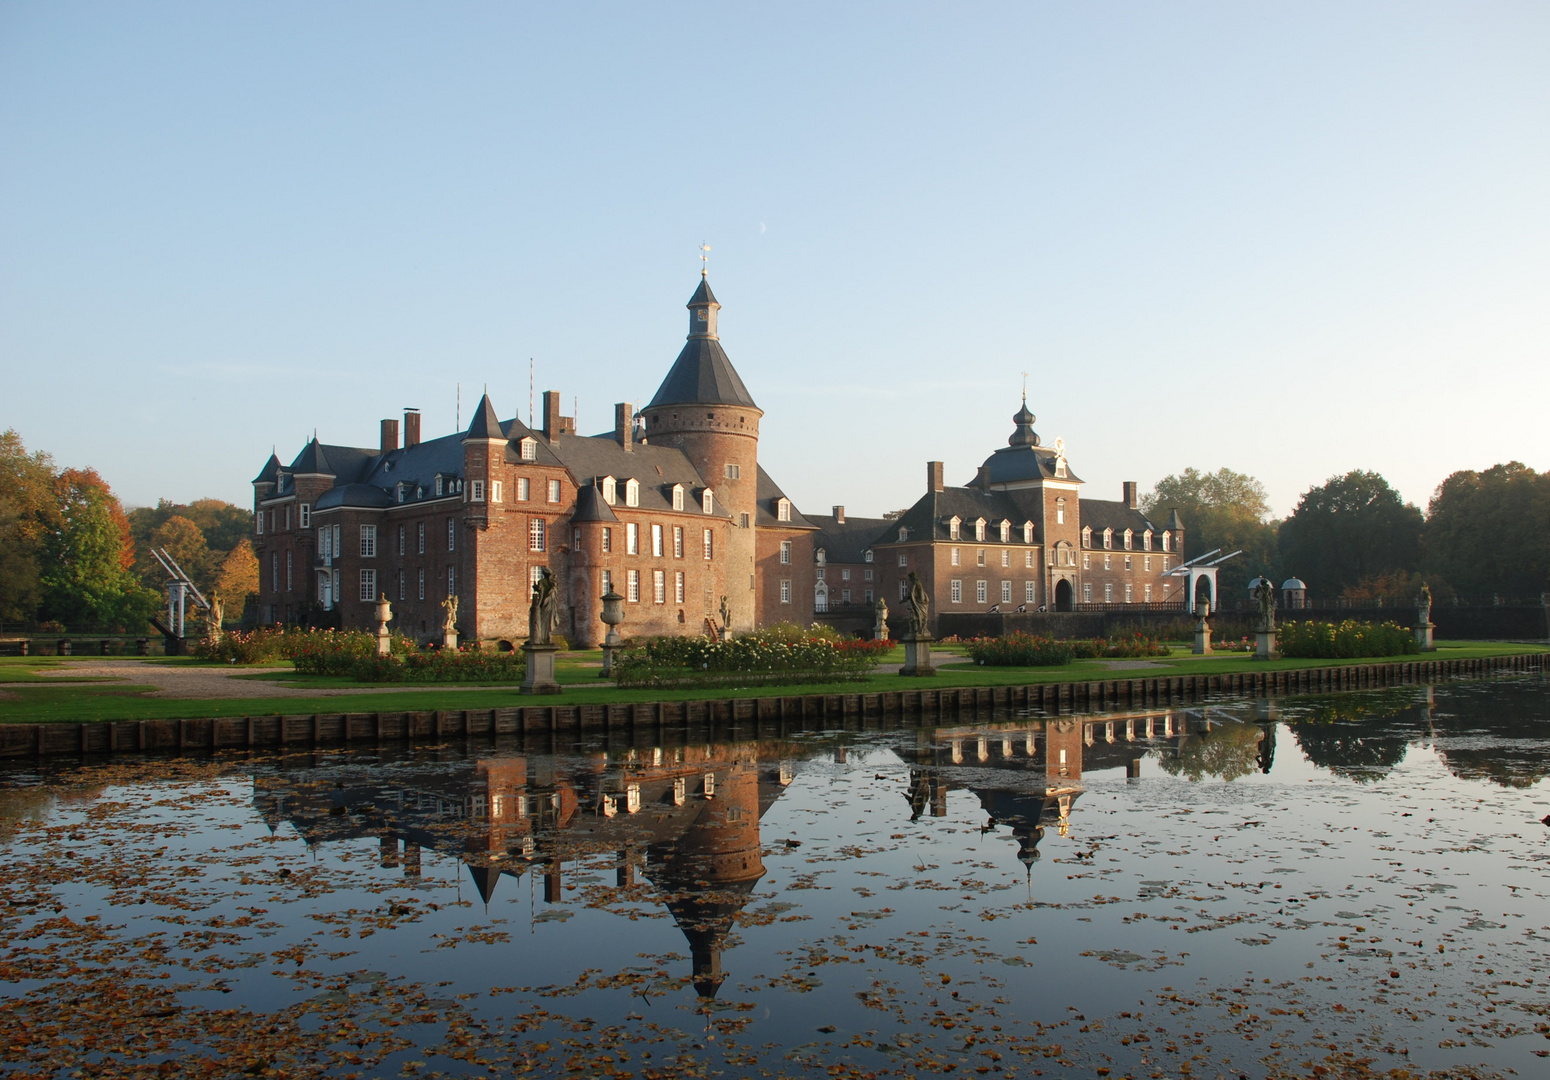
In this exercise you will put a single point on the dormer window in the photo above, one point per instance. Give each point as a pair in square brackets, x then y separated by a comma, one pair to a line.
[904, 535]
[979, 529]
[632, 492]
[1108, 539]
[678, 496]
[1146, 540]
[783, 509]
[1087, 536]
[1167, 540]
[1128, 535]
[610, 490]
[403, 491]
[708, 502]
[441, 485]
[1027, 532]
[867, 556]
[954, 527]
[1006, 532]
[528, 449]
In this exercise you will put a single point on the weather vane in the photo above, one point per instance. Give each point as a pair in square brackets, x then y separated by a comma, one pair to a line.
[1025, 388]
[704, 259]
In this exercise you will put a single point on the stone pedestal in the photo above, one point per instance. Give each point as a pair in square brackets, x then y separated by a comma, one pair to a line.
[1265, 646]
[611, 644]
[449, 640]
[1202, 630]
[540, 670]
[917, 655]
[384, 641]
[1423, 636]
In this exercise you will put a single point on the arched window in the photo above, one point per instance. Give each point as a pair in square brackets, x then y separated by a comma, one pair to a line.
[678, 496]
[1060, 511]
[904, 534]
[1146, 540]
[1167, 540]
[783, 509]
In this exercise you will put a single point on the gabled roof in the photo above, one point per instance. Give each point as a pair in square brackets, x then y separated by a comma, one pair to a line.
[312, 461]
[702, 375]
[1100, 514]
[485, 425]
[656, 468]
[928, 518]
[767, 493]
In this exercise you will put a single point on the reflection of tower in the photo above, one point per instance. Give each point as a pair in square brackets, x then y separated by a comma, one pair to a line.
[710, 871]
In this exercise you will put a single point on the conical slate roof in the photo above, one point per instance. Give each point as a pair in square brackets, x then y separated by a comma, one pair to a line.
[485, 425]
[270, 473]
[590, 506]
[702, 295]
[702, 374]
[312, 461]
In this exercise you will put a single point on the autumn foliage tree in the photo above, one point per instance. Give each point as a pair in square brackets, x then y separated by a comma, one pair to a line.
[1226, 510]
[88, 575]
[26, 515]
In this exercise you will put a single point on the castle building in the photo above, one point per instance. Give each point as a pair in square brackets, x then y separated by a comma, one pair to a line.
[672, 510]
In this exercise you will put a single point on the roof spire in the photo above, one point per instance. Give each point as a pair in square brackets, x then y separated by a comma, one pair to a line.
[704, 259]
[1024, 435]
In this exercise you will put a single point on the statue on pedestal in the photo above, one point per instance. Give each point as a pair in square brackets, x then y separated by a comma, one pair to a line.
[214, 618]
[1265, 593]
[920, 606]
[449, 622]
[880, 627]
[726, 620]
[541, 611]
[384, 616]
[1423, 620]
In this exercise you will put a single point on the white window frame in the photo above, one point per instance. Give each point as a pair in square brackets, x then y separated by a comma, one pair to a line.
[368, 541]
[783, 510]
[631, 538]
[1060, 511]
[678, 541]
[656, 541]
[678, 586]
[785, 590]
[537, 534]
[785, 552]
[368, 585]
[981, 592]
[1006, 592]
[678, 496]
[955, 591]
[555, 491]
[610, 490]
[452, 581]
[955, 557]
[527, 449]
[304, 516]
[632, 492]
[420, 538]
[476, 491]
[524, 489]
[422, 583]
[659, 586]
[632, 586]
[1030, 592]
[710, 544]
[495, 491]
[451, 534]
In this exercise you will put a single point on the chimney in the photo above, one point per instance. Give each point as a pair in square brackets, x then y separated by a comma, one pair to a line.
[411, 428]
[933, 476]
[1130, 494]
[552, 424]
[624, 425]
[839, 515]
[389, 435]
[982, 478]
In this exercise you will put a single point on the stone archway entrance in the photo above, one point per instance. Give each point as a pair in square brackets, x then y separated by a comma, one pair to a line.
[1063, 595]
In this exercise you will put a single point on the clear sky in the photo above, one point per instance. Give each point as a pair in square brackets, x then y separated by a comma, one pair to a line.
[1291, 239]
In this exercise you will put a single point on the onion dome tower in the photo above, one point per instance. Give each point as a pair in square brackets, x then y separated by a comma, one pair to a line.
[703, 409]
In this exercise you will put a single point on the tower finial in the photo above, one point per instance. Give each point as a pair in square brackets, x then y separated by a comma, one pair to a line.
[704, 259]
[1025, 388]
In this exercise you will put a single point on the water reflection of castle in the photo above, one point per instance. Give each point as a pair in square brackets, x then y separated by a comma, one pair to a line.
[686, 818]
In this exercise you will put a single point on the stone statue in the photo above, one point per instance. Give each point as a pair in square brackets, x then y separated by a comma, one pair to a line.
[1265, 593]
[216, 616]
[920, 605]
[542, 611]
[449, 615]
[882, 612]
[726, 614]
[1424, 603]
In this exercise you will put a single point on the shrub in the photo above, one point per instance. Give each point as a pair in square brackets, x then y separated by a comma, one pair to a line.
[1020, 650]
[1346, 640]
[782, 654]
[470, 665]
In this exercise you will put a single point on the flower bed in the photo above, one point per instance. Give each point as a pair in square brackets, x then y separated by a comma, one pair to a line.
[469, 665]
[1020, 650]
[759, 659]
[1346, 640]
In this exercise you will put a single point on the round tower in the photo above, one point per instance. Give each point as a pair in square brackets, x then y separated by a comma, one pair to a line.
[703, 409]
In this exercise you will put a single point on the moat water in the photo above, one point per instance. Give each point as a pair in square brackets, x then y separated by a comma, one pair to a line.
[1351, 883]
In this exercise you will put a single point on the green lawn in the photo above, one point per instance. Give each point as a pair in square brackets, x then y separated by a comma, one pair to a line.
[77, 701]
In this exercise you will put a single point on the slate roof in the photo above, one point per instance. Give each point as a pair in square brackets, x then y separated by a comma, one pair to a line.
[312, 460]
[485, 425]
[1100, 514]
[270, 474]
[1023, 462]
[590, 505]
[367, 495]
[768, 493]
[927, 519]
[847, 541]
[702, 375]
[702, 295]
[657, 468]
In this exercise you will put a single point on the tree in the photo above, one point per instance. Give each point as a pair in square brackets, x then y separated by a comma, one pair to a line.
[26, 515]
[222, 525]
[88, 577]
[1225, 510]
[238, 577]
[1488, 533]
[186, 544]
[1351, 528]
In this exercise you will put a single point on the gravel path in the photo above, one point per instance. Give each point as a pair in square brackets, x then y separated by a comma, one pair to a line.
[174, 681]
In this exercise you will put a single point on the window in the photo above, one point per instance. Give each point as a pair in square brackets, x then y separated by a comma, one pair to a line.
[955, 591]
[1060, 511]
[678, 496]
[783, 510]
[402, 490]
[1146, 540]
[451, 581]
[403, 586]
[710, 544]
[659, 586]
[1167, 541]
[287, 519]
[785, 591]
[554, 491]
[1087, 561]
[708, 502]
[1108, 561]
[1087, 593]
[1148, 594]
[476, 491]
[535, 574]
[368, 541]
[1108, 539]
[656, 541]
[1006, 592]
[403, 544]
[867, 596]
[785, 552]
[608, 582]
[733, 472]
[631, 492]
[954, 556]
[1108, 592]
[608, 540]
[844, 575]
[632, 539]
[904, 590]
[421, 550]
[845, 596]
[422, 583]
[867, 574]
[979, 557]
[1027, 532]
[1006, 558]
[575, 538]
[1028, 558]
[1006, 532]
[258, 523]
[1165, 564]
[610, 490]
[290, 576]
[979, 592]
[678, 541]
[1127, 562]
[368, 584]
[529, 448]
[678, 587]
[632, 586]
[495, 491]
[979, 529]
[904, 560]
[822, 572]
[451, 535]
[1146, 562]
[440, 486]
[305, 513]
[866, 556]
[535, 534]
[955, 528]
[524, 489]
[1087, 536]
[904, 535]
[742, 521]
[1029, 593]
